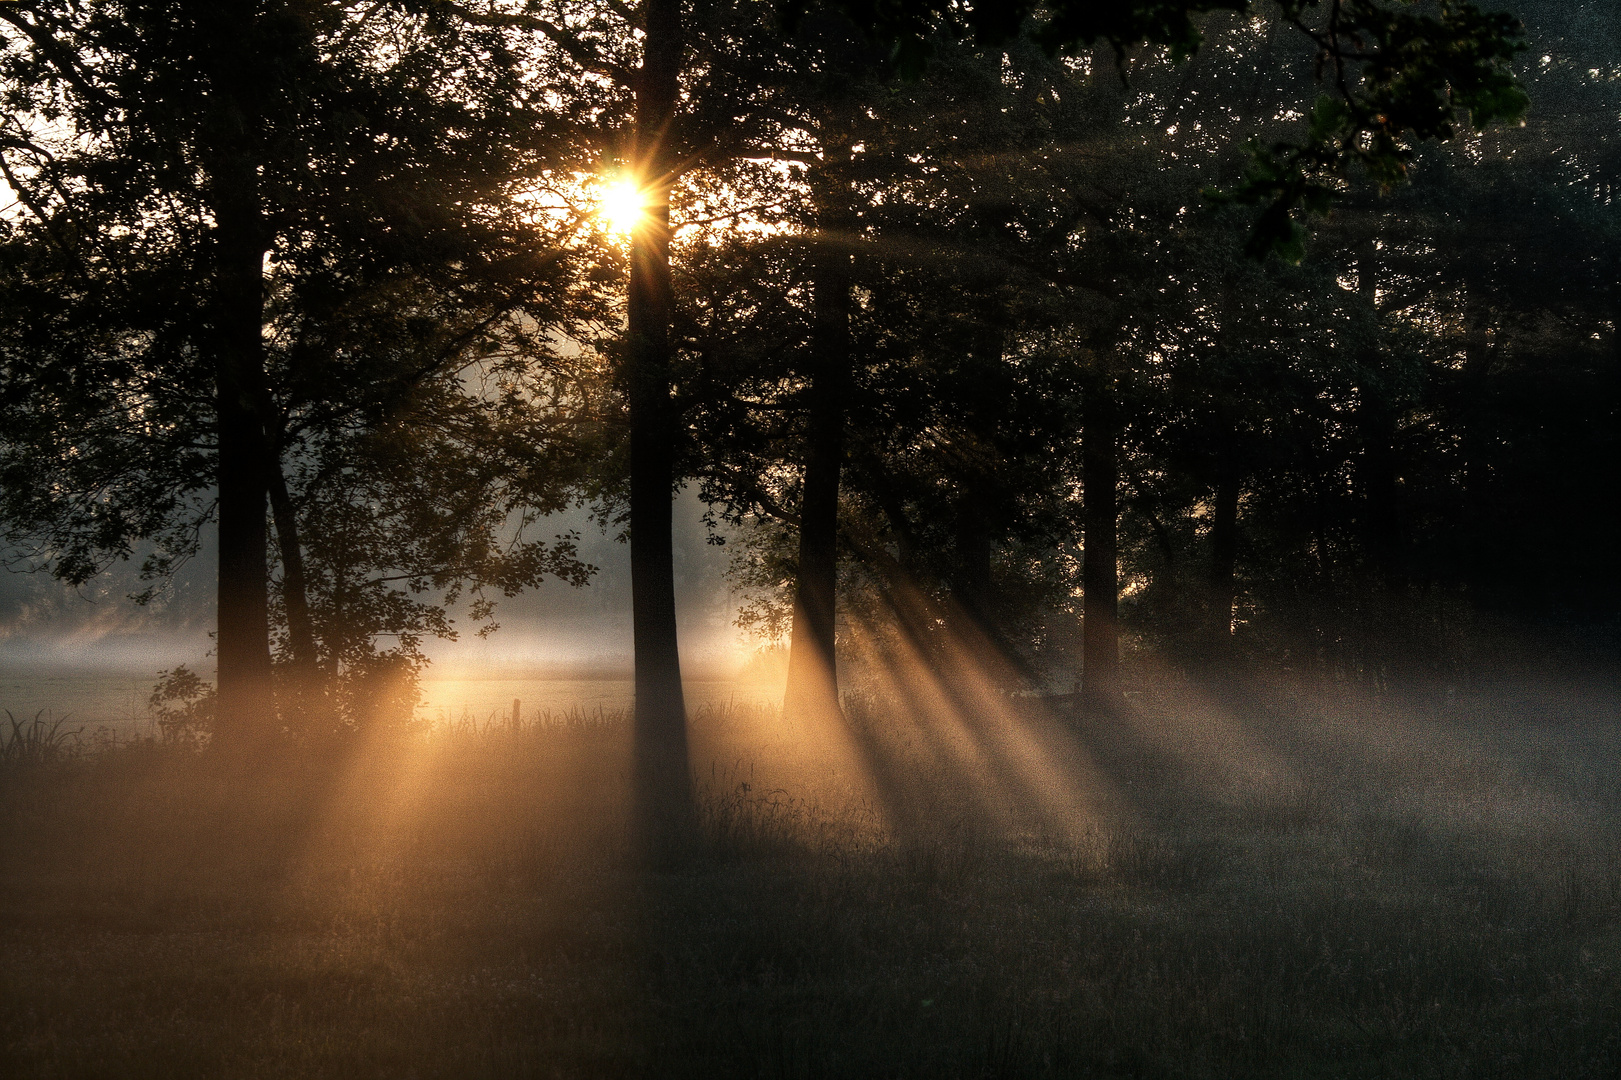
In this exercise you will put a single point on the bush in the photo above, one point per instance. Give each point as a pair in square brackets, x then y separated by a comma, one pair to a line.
[183, 705]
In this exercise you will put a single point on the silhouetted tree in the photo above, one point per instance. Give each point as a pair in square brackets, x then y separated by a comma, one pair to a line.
[218, 196]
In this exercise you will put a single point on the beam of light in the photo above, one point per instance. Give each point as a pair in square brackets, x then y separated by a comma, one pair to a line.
[1313, 756]
[406, 811]
[1010, 765]
[808, 762]
[622, 207]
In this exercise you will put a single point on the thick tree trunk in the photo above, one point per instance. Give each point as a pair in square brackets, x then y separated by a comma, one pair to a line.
[246, 704]
[1100, 596]
[813, 685]
[664, 777]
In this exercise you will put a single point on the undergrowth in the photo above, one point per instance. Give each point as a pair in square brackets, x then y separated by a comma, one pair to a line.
[38, 741]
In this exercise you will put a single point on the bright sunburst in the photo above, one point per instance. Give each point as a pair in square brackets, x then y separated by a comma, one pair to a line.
[623, 205]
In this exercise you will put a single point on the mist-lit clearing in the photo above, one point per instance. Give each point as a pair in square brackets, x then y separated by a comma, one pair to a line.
[934, 538]
[1288, 880]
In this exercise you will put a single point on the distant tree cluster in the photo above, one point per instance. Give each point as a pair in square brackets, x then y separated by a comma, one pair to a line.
[991, 328]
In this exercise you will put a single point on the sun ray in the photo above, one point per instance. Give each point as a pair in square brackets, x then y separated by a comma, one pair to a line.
[623, 205]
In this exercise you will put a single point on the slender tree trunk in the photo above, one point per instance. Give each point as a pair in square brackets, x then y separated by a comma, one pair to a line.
[294, 587]
[1223, 565]
[1376, 482]
[976, 627]
[246, 705]
[304, 699]
[1100, 596]
[813, 684]
[664, 777]
[1376, 474]
[1473, 391]
[972, 588]
[894, 510]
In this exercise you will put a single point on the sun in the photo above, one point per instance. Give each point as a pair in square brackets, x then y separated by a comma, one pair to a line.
[623, 205]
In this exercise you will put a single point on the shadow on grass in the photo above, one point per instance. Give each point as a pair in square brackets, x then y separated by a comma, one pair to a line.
[958, 883]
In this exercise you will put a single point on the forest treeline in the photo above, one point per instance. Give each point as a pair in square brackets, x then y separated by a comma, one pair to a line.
[1276, 332]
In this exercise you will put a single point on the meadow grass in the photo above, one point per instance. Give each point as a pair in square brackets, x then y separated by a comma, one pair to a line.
[38, 741]
[1197, 887]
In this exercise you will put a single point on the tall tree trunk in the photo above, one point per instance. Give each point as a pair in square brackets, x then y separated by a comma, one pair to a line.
[972, 587]
[1100, 596]
[1376, 475]
[294, 586]
[973, 611]
[1378, 490]
[1471, 402]
[1223, 563]
[813, 685]
[304, 698]
[664, 778]
[246, 705]
[1472, 388]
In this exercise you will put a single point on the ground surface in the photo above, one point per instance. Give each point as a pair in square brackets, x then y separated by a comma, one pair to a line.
[1205, 885]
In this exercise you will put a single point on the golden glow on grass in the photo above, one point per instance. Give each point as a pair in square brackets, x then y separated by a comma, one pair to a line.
[623, 205]
[425, 897]
[948, 727]
[933, 745]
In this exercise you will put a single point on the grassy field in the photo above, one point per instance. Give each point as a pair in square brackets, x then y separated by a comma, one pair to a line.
[1201, 886]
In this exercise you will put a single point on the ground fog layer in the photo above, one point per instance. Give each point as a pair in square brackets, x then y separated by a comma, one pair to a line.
[1206, 884]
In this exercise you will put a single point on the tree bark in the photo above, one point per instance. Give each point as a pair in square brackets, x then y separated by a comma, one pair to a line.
[972, 587]
[975, 624]
[1100, 596]
[303, 675]
[1473, 393]
[1378, 489]
[1376, 476]
[664, 777]
[1223, 564]
[246, 709]
[813, 684]
[246, 704]
[294, 587]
